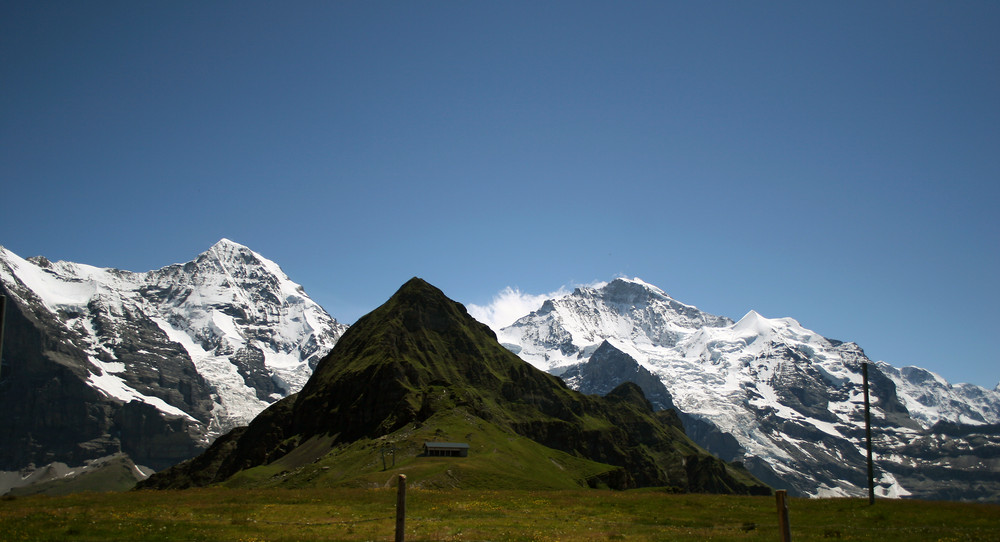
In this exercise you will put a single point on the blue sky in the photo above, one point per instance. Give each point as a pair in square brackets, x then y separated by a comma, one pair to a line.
[836, 162]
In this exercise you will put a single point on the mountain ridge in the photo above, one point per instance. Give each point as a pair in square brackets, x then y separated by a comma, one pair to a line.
[789, 396]
[420, 358]
[158, 363]
[232, 338]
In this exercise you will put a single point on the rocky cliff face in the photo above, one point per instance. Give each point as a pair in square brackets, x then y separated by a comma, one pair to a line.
[775, 395]
[155, 364]
[608, 368]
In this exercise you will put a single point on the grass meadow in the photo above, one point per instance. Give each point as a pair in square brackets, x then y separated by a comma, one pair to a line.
[369, 514]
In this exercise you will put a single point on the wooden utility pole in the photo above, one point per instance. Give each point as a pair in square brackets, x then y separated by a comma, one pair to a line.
[868, 436]
[784, 527]
[401, 509]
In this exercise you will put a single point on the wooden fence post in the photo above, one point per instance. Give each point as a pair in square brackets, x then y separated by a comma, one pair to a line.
[401, 509]
[783, 525]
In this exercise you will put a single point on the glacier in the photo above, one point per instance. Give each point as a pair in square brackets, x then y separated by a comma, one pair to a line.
[790, 397]
[210, 342]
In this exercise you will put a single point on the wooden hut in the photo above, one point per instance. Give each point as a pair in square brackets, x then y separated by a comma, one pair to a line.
[446, 449]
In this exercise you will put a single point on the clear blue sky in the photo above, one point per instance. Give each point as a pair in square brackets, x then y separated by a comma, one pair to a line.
[836, 162]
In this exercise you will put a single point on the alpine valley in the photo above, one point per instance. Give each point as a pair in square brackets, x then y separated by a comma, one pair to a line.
[154, 367]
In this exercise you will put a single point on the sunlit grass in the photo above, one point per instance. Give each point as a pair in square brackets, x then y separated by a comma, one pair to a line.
[369, 514]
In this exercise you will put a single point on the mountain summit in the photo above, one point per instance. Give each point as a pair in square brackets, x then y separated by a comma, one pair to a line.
[768, 392]
[155, 364]
[419, 368]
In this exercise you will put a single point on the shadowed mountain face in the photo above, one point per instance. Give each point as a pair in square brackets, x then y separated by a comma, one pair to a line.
[154, 364]
[421, 356]
[609, 367]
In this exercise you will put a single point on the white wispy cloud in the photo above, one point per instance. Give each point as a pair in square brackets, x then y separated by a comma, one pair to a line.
[511, 303]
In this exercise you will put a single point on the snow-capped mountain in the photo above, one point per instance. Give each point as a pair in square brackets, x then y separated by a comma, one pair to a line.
[779, 397]
[155, 363]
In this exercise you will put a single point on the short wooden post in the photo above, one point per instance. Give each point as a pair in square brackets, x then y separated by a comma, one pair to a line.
[783, 525]
[401, 509]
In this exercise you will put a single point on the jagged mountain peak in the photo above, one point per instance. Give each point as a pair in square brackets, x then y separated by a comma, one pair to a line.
[211, 341]
[420, 358]
[417, 311]
[626, 289]
[568, 329]
[229, 243]
[226, 254]
[424, 306]
[40, 261]
[230, 251]
[784, 397]
[418, 337]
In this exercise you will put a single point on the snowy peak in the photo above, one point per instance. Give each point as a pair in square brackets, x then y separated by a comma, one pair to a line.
[232, 307]
[213, 341]
[631, 292]
[755, 324]
[231, 273]
[234, 258]
[783, 396]
[228, 253]
[930, 399]
[757, 335]
[568, 329]
[228, 244]
[623, 290]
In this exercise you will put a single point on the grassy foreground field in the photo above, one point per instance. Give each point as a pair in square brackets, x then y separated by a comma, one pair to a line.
[369, 514]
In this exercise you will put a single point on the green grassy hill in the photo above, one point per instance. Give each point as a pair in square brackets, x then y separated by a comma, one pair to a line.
[419, 368]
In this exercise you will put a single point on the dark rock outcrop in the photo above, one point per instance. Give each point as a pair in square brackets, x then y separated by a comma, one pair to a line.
[52, 414]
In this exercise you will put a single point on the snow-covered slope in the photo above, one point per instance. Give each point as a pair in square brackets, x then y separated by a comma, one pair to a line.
[251, 332]
[210, 342]
[790, 397]
[929, 398]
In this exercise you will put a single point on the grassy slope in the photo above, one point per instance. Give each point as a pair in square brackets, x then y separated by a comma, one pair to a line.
[497, 459]
[362, 514]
